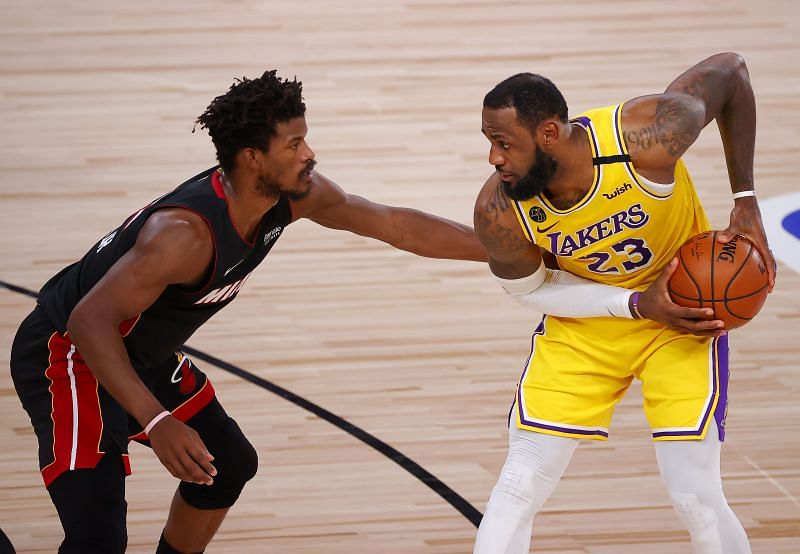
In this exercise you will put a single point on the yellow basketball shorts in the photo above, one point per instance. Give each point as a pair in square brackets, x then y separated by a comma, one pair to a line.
[578, 370]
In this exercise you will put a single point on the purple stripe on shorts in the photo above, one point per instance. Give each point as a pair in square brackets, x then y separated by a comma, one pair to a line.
[724, 372]
[719, 368]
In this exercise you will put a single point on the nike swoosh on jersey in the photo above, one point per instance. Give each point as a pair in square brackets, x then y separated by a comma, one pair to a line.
[231, 268]
[545, 229]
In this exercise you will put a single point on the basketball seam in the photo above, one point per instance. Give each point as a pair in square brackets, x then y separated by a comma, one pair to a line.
[725, 298]
[691, 278]
[713, 266]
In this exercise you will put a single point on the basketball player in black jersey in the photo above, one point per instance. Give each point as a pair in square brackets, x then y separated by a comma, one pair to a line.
[98, 361]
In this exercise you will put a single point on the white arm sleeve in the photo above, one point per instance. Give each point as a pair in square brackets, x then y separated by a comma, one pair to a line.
[561, 293]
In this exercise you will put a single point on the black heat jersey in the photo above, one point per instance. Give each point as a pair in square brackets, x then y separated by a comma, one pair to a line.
[161, 329]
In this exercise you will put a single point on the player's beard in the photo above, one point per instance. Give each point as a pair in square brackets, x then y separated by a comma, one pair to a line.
[536, 180]
[270, 188]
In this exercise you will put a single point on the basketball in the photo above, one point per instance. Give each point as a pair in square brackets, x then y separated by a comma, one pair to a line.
[730, 278]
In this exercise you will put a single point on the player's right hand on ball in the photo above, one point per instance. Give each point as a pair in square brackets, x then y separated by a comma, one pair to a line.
[182, 452]
[655, 304]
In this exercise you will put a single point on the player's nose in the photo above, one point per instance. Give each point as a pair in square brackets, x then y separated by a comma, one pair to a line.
[496, 157]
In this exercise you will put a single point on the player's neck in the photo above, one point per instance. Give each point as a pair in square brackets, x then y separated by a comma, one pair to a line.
[246, 204]
[575, 173]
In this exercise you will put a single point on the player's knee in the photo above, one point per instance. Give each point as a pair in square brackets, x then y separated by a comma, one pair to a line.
[698, 518]
[517, 486]
[236, 462]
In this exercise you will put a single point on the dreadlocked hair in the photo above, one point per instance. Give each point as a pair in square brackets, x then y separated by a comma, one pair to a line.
[246, 116]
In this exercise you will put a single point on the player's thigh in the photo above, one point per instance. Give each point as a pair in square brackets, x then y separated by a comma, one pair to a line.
[570, 384]
[91, 506]
[684, 385]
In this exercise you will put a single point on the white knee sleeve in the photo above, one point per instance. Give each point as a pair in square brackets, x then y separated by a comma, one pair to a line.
[690, 471]
[533, 467]
[700, 521]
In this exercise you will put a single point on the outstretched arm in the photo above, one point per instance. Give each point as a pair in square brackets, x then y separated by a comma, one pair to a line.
[659, 129]
[404, 228]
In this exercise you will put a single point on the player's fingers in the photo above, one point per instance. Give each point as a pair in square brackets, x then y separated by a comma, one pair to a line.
[203, 459]
[171, 468]
[699, 326]
[194, 472]
[704, 314]
[669, 269]
[727, 234]
[772, 270]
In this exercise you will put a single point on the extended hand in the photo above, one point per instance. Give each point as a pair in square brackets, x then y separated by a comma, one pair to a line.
[746, 220]
[182, 452]
[655, 304]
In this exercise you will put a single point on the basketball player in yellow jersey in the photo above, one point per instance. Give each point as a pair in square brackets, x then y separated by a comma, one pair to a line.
[606, 201]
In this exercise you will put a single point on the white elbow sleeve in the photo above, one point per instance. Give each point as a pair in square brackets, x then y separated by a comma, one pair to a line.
[563, 294]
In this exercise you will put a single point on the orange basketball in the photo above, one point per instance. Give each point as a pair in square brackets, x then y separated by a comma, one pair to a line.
[730, 278]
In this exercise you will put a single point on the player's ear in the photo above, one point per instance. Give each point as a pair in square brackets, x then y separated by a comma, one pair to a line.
[549, 132]
[250, 158]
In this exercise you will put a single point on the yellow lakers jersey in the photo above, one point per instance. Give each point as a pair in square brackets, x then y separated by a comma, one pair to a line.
[626, 228]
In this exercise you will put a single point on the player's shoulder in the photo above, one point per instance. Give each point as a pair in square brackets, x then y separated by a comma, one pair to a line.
[176, 229]
[488, 192]
[493, 208]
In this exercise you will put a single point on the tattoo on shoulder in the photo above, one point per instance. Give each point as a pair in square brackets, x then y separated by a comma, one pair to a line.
[494, 231]
[498, 202]
[675, 128]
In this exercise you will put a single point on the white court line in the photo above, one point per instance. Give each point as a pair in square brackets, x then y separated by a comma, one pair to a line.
[769, 478]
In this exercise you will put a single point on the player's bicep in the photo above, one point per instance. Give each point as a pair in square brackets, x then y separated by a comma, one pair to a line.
[167, 251]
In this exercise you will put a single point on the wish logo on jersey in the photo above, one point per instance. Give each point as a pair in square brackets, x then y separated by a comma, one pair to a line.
[565, 244]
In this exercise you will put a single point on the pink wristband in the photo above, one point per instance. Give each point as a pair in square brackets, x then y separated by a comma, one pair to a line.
[155, 420]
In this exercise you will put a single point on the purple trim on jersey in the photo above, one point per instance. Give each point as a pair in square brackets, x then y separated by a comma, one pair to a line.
[724, 373]
[582, 120]
[540, 331]
[719, 370]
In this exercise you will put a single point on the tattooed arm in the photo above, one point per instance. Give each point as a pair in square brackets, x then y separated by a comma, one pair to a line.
[658, 130]
[511, 254]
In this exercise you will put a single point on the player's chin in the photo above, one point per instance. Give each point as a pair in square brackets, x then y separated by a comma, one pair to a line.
[299, 191]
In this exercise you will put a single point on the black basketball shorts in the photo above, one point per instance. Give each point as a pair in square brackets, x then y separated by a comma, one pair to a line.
[75, 420]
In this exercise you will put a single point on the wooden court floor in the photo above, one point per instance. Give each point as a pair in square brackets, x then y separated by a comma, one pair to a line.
[97, 101]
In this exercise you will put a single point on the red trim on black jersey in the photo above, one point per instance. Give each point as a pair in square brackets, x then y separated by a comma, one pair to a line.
[127, 326]
[188, 409]
[72, 385]
[216, 182]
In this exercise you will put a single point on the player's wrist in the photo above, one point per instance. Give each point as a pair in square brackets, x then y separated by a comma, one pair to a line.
[155, 420]
[744, 194]
[633, 305]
